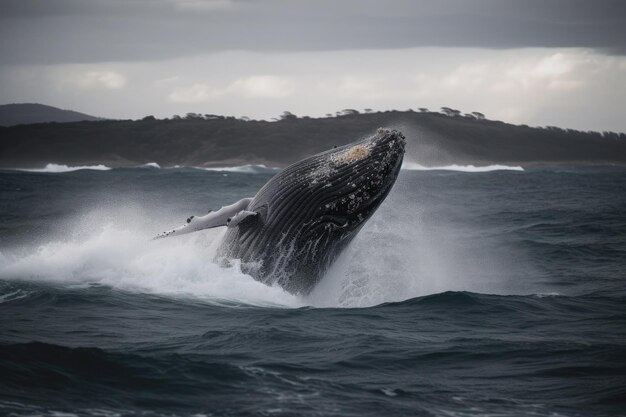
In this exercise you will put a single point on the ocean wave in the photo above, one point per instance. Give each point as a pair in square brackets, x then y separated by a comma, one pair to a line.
[150, 165]
[58, 168]
[243, 169]
[414, 166]
[397, 256]
[264, 169]
[13, 296]
[127, 260]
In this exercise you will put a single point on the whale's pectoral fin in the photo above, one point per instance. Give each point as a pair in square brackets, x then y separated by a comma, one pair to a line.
[241, 216]
[221, 217]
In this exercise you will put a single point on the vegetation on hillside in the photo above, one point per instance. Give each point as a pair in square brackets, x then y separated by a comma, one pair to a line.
[434, 138]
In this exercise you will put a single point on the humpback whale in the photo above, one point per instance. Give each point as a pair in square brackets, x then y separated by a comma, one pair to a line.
[297, 224]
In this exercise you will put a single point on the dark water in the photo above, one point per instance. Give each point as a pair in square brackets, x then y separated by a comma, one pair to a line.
[468, 294]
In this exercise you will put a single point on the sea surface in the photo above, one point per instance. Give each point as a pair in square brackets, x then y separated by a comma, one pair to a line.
[473, 291]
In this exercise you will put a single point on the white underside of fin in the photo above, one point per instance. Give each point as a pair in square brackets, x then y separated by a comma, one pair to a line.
[222, 217]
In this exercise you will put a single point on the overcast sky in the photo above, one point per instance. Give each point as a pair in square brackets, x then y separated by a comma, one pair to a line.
[539, 62]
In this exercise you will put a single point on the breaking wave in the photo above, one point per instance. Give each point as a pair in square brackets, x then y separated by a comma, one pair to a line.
[127, 260]
[244, 169]
[151, 165]
[241, 169]
[263, 169]
[414, 166]
[57, 168]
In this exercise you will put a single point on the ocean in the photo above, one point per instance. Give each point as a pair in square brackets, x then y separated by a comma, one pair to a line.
[473, 291]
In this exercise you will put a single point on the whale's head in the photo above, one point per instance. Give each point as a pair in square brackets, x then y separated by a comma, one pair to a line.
[307, 213]
[353, 180]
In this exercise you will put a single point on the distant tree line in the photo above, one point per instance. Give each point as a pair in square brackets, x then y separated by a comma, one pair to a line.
[447, 111]
[206, 139]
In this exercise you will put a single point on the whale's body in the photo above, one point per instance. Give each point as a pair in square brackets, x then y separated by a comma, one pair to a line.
[292, 230]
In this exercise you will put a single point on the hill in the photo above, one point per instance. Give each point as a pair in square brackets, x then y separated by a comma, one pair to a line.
[434, 139]
[28, 113]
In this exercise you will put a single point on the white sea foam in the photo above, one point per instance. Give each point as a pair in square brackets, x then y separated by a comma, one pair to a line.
[260, 168]
[13, 295]
[413, 166]
[404, 252]
[119, 256]
[243, 169]
[549, 294]
[56, 168]
[151, 165]
[401, 253]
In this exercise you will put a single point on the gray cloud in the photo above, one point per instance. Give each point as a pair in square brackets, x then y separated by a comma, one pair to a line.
[575, 88]
[73, 31]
